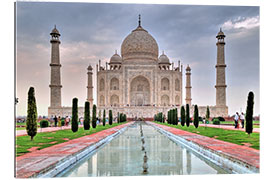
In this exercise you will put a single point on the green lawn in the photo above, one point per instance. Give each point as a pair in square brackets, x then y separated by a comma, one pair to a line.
[20, 128]
[47, 139]
[232, 136]
[232, 122]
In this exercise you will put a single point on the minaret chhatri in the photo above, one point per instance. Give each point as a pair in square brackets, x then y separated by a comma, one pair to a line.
[55, 84]
[188, 86]
[90, 86]
[220, 71]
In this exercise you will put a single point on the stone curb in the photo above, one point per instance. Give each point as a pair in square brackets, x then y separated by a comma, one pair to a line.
[221, 159]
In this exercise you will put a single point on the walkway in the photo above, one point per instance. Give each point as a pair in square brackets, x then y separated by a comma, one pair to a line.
[257, 130]
[244, 154]
[41, 161]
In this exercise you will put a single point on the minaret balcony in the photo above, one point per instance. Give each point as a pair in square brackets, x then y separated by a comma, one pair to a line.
[54, 64]
[221, 65]
[55, 85]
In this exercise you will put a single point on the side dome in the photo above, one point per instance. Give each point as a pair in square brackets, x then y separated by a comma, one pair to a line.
[115, 59]
[139, 44]
[163, 59]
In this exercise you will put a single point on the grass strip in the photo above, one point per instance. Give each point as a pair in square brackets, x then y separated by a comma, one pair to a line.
[232, 136]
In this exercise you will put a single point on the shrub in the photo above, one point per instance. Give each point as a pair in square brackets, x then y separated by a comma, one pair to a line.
[74, 120]
[183, 118]
[86, 123]
[249, 113]
[216, 122]
[221, 118]
[44, 123]
[62, 122]
[200, 119]
[31, 119]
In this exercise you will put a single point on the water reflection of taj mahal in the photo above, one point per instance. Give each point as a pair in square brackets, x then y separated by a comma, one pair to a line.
[138, 83]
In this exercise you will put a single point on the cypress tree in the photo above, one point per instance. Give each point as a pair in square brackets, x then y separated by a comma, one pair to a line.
[104, 117]
[125, 117]
[168, 117]
[196, 117]
[118, 117]
[86, 123]
[207, 116]
[183, 117]
[249, 113]
[110, 117]
[121, 117]
[172, 116]
[31, 120]
[74, 120]
[187, 115]
[94, 116]
[176, 116]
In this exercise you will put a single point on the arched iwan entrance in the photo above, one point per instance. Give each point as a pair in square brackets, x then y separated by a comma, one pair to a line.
[139, 91]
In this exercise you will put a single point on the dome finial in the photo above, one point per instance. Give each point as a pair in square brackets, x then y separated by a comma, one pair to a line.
[139, 20]
[116, 51]
[163, 52]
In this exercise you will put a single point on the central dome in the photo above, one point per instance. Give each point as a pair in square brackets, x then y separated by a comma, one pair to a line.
[139, 44]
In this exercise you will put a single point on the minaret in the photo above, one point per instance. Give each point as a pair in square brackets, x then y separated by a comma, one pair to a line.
[220, 71]
[188, 86]
[55, 65]
[90, 86]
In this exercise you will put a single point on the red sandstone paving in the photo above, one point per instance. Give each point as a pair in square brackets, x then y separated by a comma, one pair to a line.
[242, 153]
[30, 164]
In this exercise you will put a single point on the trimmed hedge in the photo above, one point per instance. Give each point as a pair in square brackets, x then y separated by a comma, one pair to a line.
[216, 122]
[44, 123]
[221, 118]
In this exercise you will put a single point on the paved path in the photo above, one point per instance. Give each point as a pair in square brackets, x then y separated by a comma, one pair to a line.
[257, 130]
[244, 154]
[40, 161]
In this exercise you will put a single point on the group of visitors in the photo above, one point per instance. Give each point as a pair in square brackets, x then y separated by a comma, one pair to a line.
[57, 121]
[238, 118]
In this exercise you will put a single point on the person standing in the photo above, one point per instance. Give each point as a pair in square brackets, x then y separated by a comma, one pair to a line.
[59, 121]
[236, 118]
[55, 121]
[242, 119]
[66, 121]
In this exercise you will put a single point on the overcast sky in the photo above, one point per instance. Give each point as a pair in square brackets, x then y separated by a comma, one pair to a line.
[90, 32]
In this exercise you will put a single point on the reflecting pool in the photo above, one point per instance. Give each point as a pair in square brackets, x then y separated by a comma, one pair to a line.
[124, 156]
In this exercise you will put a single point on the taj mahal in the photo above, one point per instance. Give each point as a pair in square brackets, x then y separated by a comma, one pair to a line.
[140, 81]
